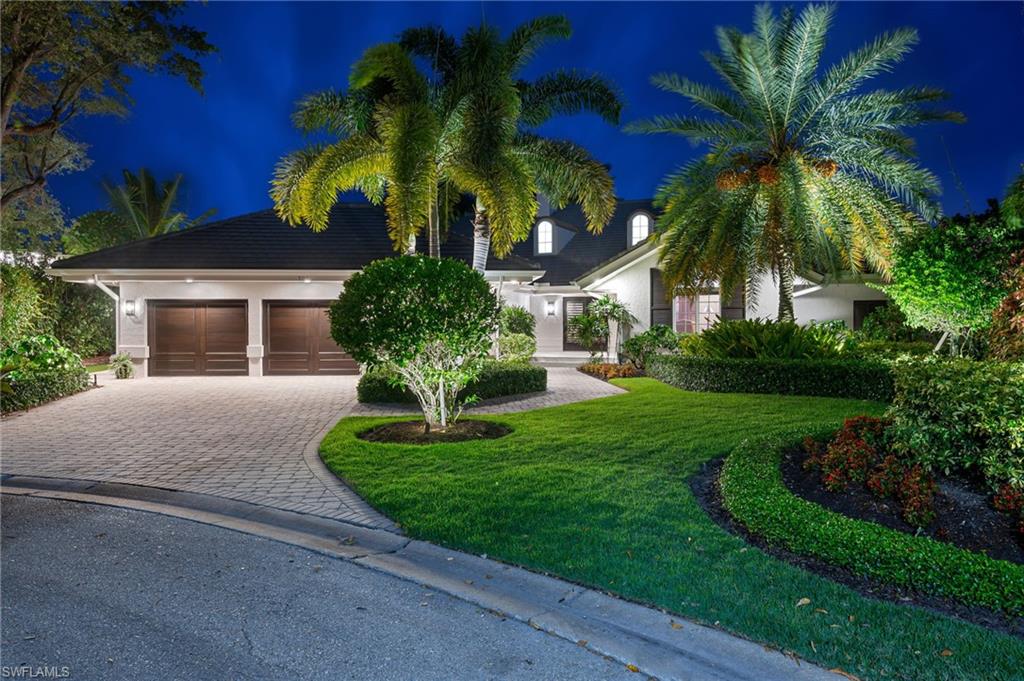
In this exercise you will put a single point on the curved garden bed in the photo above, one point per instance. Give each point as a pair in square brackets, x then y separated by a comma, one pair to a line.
[754, 492]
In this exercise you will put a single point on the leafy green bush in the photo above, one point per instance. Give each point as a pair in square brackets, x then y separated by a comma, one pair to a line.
[861, 379]
[765, 339]
[591, 330]
[515, 319]
[640, 347]
[961, 415]
[122, 366]
[888, 323]
[754, 493]
[892, 349]
[427, 322]
[516, 347]
[39, 369]
[496, 379]
[21, 303]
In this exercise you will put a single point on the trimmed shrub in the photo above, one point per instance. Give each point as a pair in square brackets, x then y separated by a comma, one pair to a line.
[496, 379]
[888, 323]
[659, 338]
[754, 493]
[892, 349]
[955, 415]
[516, 347]
[860, 379]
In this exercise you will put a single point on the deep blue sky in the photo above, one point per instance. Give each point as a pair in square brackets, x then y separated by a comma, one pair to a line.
[227, 142]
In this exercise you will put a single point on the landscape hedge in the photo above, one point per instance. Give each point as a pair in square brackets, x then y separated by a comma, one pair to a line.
[860, 379]
[498, 379]
[32, 388]
[754, 493]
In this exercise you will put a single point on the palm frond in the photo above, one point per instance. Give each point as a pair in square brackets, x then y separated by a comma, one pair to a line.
[566, 93]
[709, 98]
[528, 37]
[433, 44]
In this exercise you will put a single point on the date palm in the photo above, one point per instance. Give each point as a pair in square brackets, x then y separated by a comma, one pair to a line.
[494, 153]
[148, 208]
[804, 170]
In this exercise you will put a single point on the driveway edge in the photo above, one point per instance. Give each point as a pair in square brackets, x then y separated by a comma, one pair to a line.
[642, 638]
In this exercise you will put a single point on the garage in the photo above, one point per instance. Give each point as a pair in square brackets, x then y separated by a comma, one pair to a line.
[197, 338]
[297, 340]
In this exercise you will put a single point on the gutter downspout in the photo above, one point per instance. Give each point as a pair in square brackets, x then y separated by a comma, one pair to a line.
[117, 309]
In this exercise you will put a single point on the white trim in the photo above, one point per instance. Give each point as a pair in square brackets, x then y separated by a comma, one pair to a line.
[329, 276]
[642, 252]
[805, 291]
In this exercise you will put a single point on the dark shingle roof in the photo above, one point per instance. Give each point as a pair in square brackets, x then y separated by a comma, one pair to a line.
[585, 251]
[356, 234]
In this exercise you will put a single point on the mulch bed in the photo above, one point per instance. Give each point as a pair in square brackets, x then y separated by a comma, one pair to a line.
[412, 432]
[964, 516]
[704, 485]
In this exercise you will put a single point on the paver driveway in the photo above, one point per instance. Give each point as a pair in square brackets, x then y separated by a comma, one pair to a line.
[250, 439]
[236, 437]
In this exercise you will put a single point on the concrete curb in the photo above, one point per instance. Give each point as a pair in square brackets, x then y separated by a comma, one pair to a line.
[656, 644]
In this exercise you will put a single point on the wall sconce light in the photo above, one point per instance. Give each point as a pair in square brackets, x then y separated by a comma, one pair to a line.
[549, 308]
[307, 280]
[189, 280]
[131, 307]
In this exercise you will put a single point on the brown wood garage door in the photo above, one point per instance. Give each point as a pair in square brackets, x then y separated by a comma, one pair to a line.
[197, 338]
[297, 340]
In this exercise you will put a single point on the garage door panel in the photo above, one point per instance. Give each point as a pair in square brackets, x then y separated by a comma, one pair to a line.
[297, 338]
[195, 338]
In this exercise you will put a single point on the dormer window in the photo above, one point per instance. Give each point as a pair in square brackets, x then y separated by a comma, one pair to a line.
[639, 228]
[545, 236]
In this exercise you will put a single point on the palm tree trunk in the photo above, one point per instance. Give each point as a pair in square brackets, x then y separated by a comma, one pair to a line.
[786, 292]
[434, 232]
[481, 239]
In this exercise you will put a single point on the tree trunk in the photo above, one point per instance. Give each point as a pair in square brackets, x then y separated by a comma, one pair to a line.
[481, 239]
[786, 292]
[434, 232]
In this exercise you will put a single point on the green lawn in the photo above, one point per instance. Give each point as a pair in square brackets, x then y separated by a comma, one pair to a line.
[96, 368]
[596, 492]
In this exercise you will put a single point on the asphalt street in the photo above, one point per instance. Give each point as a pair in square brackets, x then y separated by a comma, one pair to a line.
[105, 593]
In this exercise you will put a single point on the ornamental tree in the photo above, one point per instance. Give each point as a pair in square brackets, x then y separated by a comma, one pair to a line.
[950, 278]
[425, 321]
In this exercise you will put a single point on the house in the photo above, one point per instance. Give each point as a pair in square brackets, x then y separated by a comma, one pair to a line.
[248, 295]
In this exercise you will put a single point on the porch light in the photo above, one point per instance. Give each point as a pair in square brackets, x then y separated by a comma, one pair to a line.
[189, 280]
[131, 307]
[549, 308]
[307, 280]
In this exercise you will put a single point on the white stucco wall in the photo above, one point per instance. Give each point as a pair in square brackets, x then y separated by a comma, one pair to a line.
[133, 331]
[632, 286]
[834, 301]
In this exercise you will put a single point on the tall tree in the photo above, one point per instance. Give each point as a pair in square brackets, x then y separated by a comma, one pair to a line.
[145, 207]
[60, 60]
[390, 135]
[804, 171]
[496, 156]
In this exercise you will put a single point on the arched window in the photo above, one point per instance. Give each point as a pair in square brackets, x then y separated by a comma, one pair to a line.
[639, 228]
[545, 236]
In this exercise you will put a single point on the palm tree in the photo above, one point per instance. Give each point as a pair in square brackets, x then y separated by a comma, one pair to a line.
[494, 156]
[390, 135]
[147, 208]
[615, 312]
[804, 170]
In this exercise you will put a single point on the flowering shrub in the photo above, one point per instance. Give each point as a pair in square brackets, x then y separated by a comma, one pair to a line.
[1008, 499]
[609, 371]
[858, 454]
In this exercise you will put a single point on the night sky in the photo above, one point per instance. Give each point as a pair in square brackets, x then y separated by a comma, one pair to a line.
[270, 54]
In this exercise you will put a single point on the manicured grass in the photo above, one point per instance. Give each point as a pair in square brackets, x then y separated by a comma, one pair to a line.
[96, 368]
[596, 492]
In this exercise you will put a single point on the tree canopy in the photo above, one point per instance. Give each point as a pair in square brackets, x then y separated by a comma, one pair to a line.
[805, 169]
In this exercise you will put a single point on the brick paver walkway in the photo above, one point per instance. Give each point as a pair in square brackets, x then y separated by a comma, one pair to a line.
[250, 439]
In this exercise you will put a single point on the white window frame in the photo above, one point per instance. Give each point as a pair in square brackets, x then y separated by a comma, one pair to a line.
[633, 239]
[545, 246]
